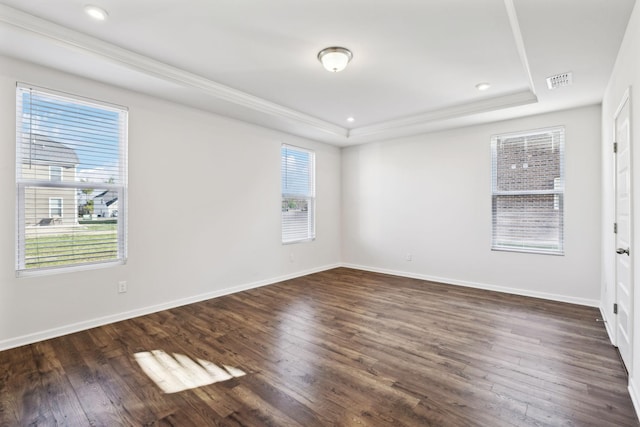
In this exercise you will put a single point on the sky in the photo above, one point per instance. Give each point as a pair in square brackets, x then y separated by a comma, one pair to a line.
[296, 171]
[92, 131]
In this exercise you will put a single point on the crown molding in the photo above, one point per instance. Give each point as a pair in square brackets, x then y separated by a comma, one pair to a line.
[482, 106]
[107, 51]
[87, 45]
[467, 109]
[517, 38]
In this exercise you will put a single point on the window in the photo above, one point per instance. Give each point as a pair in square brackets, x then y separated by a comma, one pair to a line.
[55, 208]
[298, 194]
[528, 191]
[55, 173]
[68, 151]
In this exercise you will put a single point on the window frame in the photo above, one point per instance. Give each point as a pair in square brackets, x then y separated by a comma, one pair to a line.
[51, 175]
[51, 207]
[309, 196]
[557, 134]
[22, 184]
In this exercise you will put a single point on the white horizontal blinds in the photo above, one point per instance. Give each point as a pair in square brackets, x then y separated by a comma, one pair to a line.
[71, 180]
[528, 191]
[298, 194]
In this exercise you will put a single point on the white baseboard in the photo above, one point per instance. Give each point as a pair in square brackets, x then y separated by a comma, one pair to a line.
[634, 397]
[477, 285]
[100, 321]
[607, 327]
[92, 323]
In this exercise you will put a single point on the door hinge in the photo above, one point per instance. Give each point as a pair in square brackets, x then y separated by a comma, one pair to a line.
[615, 228]
[615, 308]
[615, 147]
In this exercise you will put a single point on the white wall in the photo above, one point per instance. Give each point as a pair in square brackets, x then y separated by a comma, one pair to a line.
[430, 195]
[204, 214]
[626, 74]
[427, 195]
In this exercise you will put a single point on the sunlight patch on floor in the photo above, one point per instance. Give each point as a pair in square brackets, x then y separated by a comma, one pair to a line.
[179, 372]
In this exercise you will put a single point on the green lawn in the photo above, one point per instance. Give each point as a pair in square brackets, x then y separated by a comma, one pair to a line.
[88, 244]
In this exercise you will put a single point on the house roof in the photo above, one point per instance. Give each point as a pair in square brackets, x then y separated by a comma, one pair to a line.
[44, 150]
[110, 196]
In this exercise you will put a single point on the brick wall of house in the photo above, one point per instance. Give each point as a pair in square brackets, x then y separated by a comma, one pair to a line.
[524, 164]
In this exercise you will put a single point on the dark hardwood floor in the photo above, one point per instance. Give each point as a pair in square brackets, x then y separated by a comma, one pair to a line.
[342, 347]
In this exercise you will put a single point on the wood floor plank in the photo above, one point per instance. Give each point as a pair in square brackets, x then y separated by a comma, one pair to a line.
[94, 402]
[21, 395]
[337, 348]
[61, 399]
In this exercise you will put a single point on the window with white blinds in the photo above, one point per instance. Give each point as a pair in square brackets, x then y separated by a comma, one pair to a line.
[298, 194]
[71, 181]
[528, 191]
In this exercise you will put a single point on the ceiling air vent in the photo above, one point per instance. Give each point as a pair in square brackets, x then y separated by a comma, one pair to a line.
[559, 80]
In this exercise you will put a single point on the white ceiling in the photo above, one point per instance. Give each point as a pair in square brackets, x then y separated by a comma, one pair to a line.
[415, 65]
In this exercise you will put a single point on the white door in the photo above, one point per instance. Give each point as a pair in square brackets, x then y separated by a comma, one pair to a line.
[624, 271]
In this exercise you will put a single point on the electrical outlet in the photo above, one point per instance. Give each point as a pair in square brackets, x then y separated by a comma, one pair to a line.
[292, 258]
[122, 287]
[409, 257]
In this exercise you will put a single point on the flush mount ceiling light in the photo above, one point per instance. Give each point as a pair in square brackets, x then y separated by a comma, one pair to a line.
[335, 59]
[483, 86]
[96, 12]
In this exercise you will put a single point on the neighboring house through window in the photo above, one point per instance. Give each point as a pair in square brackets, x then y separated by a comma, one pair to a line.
[528, 191]
[105, 204]
[298, 194]
[68, 148]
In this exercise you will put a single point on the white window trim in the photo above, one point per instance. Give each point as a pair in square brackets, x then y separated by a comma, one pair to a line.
[60, 168]
[61, 207]
[311, 205]
[558, 190]
[121, 188]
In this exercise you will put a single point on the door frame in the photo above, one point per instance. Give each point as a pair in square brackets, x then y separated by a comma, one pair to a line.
[626, 99]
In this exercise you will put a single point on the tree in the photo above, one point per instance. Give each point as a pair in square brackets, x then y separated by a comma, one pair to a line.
[87, 209]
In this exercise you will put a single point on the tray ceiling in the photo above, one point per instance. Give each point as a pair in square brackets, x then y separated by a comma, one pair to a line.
[415, 66]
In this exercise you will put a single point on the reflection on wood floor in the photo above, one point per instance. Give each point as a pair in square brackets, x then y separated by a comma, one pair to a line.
[341, 347]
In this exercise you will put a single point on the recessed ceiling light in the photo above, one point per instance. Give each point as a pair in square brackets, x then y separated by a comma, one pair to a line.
[350, 119]
[483, 86]
[96, 12]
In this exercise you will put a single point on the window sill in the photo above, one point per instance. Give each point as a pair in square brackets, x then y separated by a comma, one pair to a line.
[528, 251]
[292, 242]
[68, 269]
